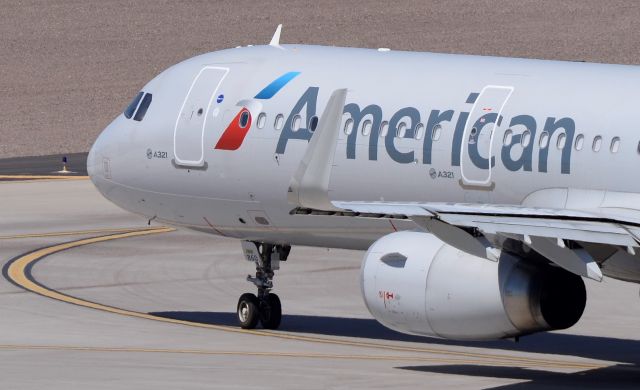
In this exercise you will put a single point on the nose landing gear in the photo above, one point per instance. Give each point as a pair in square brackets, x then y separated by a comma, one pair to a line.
[266, 306]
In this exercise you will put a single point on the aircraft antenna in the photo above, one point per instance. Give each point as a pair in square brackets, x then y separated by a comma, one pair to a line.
[275, 40]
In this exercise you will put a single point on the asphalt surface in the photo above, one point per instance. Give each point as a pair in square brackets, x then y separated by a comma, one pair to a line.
[130, 308]
[76, 165]
[67, 68]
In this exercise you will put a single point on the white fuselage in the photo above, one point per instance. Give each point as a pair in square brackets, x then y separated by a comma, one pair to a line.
[564, 127]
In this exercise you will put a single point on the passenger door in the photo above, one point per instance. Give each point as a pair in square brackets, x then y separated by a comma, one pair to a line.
[188, 139]
[477, 143]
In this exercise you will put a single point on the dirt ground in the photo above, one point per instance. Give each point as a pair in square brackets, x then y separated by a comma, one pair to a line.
[68, 67]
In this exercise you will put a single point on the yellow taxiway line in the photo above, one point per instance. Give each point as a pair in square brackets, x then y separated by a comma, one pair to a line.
[71, 233]
[280, 354]
[18, 271]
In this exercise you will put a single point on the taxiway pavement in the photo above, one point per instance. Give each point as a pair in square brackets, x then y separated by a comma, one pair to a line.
[50, 165]
[130, 307]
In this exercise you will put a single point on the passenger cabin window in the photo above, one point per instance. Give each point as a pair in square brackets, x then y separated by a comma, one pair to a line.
[579, 144]
[508, 137]
[366, 127]
[544, 140]
[597, 143]
[384, 128]
[472, 136]
[313, 123]
[526, 138]
[144, 106]
[419, 131]
[615, 144]
[401, 131]
[436, 132]
[279, 122]
[348, 126]
[562, 140]
[131, 108]
[295, 123]
[262, 120]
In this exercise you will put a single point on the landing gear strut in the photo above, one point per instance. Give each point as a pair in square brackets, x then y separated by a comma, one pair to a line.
[266, 306]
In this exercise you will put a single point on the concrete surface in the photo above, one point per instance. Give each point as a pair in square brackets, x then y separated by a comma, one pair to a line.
[327, 339]
[44, 165]
[68, 67]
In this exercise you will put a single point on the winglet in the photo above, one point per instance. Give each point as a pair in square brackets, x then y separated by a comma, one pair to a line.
[275, 40]
[309, 187]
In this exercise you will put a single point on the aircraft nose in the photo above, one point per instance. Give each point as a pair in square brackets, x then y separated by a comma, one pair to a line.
[98, 163]
[92, 159]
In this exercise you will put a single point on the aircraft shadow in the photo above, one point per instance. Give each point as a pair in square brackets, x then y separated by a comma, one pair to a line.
[603, 348]
[613, 377]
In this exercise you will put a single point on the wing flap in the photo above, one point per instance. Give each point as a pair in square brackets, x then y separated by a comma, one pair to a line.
[544, 230]
[573, 225]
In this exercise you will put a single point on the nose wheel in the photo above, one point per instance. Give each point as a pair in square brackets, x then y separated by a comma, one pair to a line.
[267, 311]
[265, 307]
[271, 312]
[248, 311]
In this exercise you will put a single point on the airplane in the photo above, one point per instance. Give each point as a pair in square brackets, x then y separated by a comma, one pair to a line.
[482, 189]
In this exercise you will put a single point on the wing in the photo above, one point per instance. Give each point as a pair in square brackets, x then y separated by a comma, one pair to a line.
[550, 232]
[565, 224]
[557, 234]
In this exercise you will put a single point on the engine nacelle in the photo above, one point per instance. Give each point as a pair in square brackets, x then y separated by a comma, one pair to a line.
[414, 283]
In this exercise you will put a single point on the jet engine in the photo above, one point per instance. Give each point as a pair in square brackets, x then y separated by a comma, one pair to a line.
[414, 283]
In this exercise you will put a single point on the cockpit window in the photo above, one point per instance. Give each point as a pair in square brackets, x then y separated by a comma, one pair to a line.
[131, 108]
[144, 106]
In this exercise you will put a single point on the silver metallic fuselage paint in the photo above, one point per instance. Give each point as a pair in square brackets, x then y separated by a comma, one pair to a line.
[237, 190]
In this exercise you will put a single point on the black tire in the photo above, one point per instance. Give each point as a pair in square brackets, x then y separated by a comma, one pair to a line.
[248, 311]
[271, 312]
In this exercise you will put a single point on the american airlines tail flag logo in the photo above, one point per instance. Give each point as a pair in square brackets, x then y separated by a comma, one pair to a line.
[235, 133]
